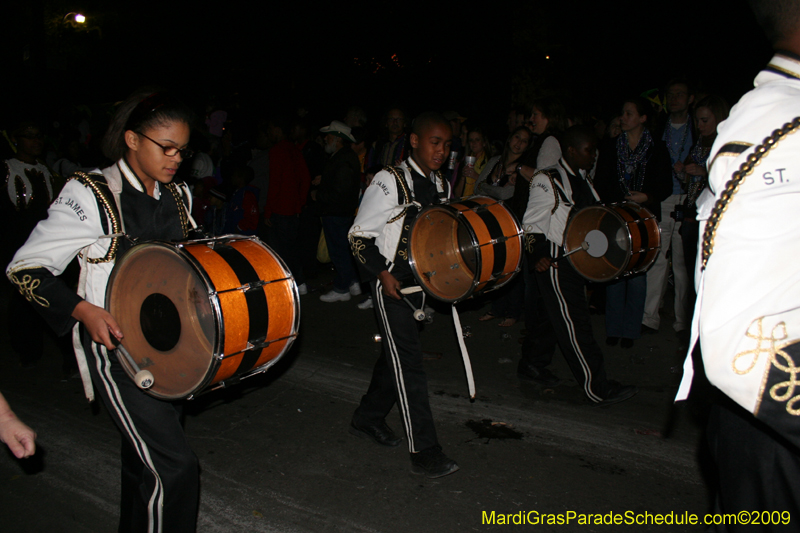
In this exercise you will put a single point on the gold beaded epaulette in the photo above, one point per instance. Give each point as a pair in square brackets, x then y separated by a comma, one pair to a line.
[732, 187]
[105, 198]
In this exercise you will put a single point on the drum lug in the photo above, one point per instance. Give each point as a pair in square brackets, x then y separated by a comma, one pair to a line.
[254, 285]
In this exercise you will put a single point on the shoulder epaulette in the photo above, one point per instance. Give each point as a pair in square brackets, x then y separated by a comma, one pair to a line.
[99, 187]
[402, 188]
[551, 174]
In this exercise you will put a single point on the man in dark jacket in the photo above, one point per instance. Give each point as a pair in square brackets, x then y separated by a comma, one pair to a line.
[337, 200]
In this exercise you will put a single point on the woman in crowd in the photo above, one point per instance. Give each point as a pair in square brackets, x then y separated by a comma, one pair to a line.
[498, 181]
[548, 119]
[478, 147]
[709, 112]
[498, 177]
[148, 139]
[634, 167]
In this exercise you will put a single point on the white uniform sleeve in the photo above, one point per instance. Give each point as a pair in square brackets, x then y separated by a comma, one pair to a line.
[378, 205]
[541, 200]
[72, 223]
[549, 153]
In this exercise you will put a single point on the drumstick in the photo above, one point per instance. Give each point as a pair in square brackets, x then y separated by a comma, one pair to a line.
[143, 378]
[584, 246]
[419, 314]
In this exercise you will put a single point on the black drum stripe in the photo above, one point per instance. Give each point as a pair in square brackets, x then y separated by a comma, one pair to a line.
[256, 300]
[495, 232]
[640, 225]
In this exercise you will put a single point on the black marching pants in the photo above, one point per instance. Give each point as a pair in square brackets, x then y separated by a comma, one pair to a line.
[560, 315]
[399, 375]
[160, 473]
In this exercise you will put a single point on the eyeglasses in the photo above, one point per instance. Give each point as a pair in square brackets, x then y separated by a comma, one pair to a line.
[170, 151]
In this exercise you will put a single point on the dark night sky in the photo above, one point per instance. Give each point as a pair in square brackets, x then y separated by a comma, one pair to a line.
[446, 57]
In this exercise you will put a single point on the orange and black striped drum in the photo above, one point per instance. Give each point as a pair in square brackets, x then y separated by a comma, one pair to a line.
[461, 249]
[606, 242]
[202, 314]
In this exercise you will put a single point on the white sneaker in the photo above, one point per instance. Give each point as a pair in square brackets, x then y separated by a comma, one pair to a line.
[302, 289]
[355, 289]
[334, 296]
[366, 304]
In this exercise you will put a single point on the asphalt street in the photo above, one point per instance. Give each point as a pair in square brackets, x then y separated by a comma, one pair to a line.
[276, 456]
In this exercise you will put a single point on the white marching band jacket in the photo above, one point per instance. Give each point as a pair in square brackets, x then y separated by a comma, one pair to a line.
[550, 202]
[748, 296]
[381, 215]
[74, 225]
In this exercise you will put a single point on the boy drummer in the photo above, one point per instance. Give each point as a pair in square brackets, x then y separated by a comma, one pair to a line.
[379, 239]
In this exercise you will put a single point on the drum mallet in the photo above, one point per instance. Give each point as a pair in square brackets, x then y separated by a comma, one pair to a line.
[584, 246]
[419, 314]
[143, 378]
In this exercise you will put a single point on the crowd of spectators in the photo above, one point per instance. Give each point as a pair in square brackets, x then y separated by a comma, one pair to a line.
[294, 179]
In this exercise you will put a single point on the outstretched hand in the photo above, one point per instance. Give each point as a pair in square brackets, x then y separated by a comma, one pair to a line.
[20, 439]
[99, 323]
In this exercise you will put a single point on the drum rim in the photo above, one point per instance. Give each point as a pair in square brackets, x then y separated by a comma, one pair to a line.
[217, 355]
[213, 300]
[620, 273]
[473, 238]
[623, 272]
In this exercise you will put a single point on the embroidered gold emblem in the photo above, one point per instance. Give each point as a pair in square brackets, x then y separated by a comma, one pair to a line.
[772, 346]
[357, 245]
[26, 286]
[530, 239]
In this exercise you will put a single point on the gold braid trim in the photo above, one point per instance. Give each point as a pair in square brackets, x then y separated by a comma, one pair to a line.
[26, 286]
[530, 239]
[772, 346]
[552, 184]
[171, 187]
[357, 245]
[401, 181]
[732, 187]
[110, 207]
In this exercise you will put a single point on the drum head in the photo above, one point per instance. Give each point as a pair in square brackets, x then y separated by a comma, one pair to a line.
[163, 307]
[603, 229]
[443, 254]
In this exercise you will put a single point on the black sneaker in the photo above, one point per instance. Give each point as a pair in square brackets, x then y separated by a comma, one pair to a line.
[433, 463]
[380, 433]
[617, 392]
[542, 375]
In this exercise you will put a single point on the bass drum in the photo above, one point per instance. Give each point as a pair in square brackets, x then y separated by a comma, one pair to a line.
[202, 314]
[460, 249]
[605, 242]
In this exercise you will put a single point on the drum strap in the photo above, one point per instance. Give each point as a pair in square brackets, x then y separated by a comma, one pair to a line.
[107, 202]
[555, 183]
[464, 353]
[404, 194]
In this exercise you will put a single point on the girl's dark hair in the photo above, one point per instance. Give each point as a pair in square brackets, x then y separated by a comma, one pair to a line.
[555, 113]
[144, 109]
[643, 107]
[508, 141]
[501, 165]
[718, 106]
